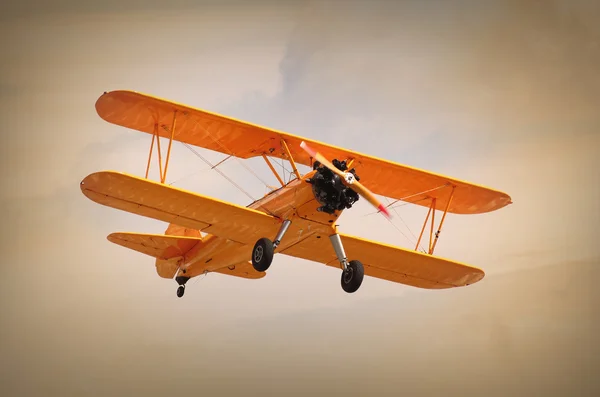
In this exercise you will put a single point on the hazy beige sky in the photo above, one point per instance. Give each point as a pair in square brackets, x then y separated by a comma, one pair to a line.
[504, 94]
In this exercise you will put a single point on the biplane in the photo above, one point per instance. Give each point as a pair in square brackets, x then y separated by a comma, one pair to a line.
[297, 218]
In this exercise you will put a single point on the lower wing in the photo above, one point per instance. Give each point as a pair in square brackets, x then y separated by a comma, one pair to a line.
[389, 263]
[168, 204]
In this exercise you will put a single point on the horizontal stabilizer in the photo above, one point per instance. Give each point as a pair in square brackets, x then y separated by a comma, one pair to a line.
[158, 246]
[169, 252]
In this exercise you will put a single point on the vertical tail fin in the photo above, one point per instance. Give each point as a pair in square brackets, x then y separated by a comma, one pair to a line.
[176, 230]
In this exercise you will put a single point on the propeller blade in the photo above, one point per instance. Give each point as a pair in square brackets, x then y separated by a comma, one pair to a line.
[347, 178]
[321, 159]
[370, 197]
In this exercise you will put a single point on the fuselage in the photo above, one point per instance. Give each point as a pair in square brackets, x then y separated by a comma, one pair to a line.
[295, 201]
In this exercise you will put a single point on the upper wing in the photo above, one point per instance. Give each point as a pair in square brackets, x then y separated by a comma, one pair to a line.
[389, 263]
[155, 200]
[241, 139]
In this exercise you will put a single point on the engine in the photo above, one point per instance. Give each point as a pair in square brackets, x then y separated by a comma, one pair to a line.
[329, 190]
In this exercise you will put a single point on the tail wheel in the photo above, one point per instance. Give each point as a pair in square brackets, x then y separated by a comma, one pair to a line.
[353, 276]
[262, 254]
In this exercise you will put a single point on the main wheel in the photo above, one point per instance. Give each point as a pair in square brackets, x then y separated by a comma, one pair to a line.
[262, 254]
[353, 276]
[180, 291]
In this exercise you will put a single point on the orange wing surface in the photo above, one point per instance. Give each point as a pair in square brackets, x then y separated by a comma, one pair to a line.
[245, 140]
[243, 270]
[156, 245]
[389, 263]
[169, 250]
[162, 202]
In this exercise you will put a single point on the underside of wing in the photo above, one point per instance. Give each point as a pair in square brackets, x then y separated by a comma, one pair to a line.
[389, 263]
[243, 270]
[244, 140]
[169, 252]
[155, 245]
[165, 203]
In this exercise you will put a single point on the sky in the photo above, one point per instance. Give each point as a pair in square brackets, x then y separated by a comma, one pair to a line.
[503, 94]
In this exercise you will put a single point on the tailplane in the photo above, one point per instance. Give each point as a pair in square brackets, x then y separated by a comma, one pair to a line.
[169, 250]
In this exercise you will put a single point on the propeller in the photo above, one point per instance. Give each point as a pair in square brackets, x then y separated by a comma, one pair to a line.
[347, 178]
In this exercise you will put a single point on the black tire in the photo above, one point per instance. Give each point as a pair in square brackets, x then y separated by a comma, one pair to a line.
[353, 276]
[180, 291]
[262, 254]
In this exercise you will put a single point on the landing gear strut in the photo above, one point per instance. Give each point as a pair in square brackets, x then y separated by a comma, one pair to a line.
[264, 249]
[181, 280]
[353, 272]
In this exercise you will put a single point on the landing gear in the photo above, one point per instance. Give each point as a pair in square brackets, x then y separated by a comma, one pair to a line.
[264, 249]
[353, 272]
[353, 276]
[262, 254]
[181, 280]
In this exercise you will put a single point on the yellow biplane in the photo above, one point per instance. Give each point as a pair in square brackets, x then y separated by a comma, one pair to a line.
[297, 219]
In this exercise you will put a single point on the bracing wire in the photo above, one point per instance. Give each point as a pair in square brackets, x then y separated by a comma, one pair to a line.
[394, 207]
[417, 194]
[398, 229]
[402, 219]
[225, 176]
[232, 154]
[283, 171]
[187, 176]
[219, 171]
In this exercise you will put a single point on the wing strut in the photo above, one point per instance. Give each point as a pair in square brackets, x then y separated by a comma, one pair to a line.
[156, 136]
[425, 223]
[154, 133]
[273, 170]
[432, 240]
[290, 158]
